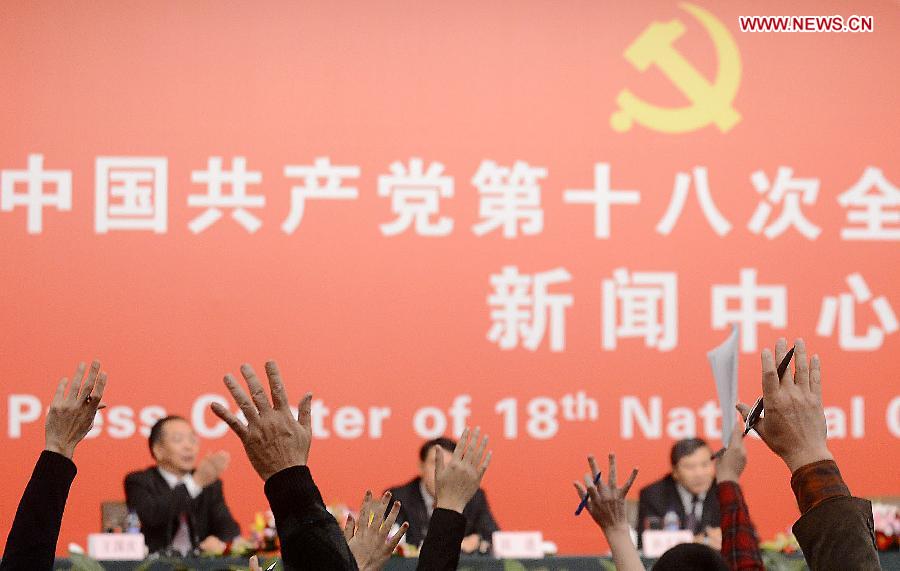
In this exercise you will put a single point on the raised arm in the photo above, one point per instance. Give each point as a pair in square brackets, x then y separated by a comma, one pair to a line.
[278, 445]
[606, 505]
[31, 543]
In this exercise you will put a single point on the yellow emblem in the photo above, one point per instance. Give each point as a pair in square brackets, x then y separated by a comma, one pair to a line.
[710, 103]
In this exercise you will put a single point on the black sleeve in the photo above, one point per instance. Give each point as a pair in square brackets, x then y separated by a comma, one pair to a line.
[838, 534]
[485, 525]
[440, 551]
[310, 537]
[221, 522]
[156, 509]
[35, 530]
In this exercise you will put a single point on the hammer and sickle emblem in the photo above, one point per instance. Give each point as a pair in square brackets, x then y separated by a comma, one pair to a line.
[710, 103]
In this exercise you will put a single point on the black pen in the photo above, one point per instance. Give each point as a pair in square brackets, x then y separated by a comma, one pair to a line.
[584, 500]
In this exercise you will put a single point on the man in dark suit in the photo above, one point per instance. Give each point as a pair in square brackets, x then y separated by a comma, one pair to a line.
[416, 498]
[180, 501]
[686, 498]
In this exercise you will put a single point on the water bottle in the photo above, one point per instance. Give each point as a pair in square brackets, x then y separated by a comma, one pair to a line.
[132, 522]
[653, 522]
[671, 521]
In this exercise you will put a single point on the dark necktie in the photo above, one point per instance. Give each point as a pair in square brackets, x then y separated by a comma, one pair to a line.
[692, 522]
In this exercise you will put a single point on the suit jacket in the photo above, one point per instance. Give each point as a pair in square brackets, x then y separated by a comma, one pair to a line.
[838, 534]
[412, 509]
[35, 530]
[662, 496]
[311, 539]
[158, 506]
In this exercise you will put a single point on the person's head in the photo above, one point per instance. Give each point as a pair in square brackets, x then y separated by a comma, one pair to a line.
[427, 454]
[174, 445]
[691, 556]
[692, 466]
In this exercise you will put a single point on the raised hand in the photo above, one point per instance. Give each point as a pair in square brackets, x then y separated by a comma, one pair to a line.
[794, 423]
[71, 415]
[606, 503]
[273, 438]
[457, 481]
[368, 538]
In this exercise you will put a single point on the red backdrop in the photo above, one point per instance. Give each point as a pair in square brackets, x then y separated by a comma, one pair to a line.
[401, 321]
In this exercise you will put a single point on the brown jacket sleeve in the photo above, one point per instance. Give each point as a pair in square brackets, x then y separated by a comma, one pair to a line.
[838, 534]
[836, 530]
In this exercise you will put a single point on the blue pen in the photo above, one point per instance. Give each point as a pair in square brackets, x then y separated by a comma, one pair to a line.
[584, 500]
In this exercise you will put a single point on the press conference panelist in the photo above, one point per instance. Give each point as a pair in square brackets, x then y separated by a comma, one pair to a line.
[180, 501]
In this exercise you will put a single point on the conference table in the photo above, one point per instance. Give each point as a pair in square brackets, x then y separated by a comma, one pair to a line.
[774, 562]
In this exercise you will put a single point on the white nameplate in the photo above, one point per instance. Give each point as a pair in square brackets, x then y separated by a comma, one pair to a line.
[117, 546]
[518, 544]
[657, 542]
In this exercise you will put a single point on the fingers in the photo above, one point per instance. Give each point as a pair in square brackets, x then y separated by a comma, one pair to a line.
[232, 421]
[737, 436]
[75, 387]
[629, 482]
[594, 497]
[349, 527]
[439, 462]
[276, 387]
[770, 381]
[240, 397]
[815, 376]
[367, 500]
[254, 564]
[485, 464]
[580, 489]
[461, 445]
[99, 387]
[781, 352]
[388, 522]
[382, 513]
[304, 412]
[394, 540]
[93, 373]
[60, 393]
[257, 392]
[473, 444]
[592, 462]
[744, 410]
[482, 446]
[612, 471]
[97, 392]
[801, 364]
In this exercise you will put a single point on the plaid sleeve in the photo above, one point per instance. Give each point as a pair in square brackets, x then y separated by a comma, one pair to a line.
[817, 482]
[740, 544]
